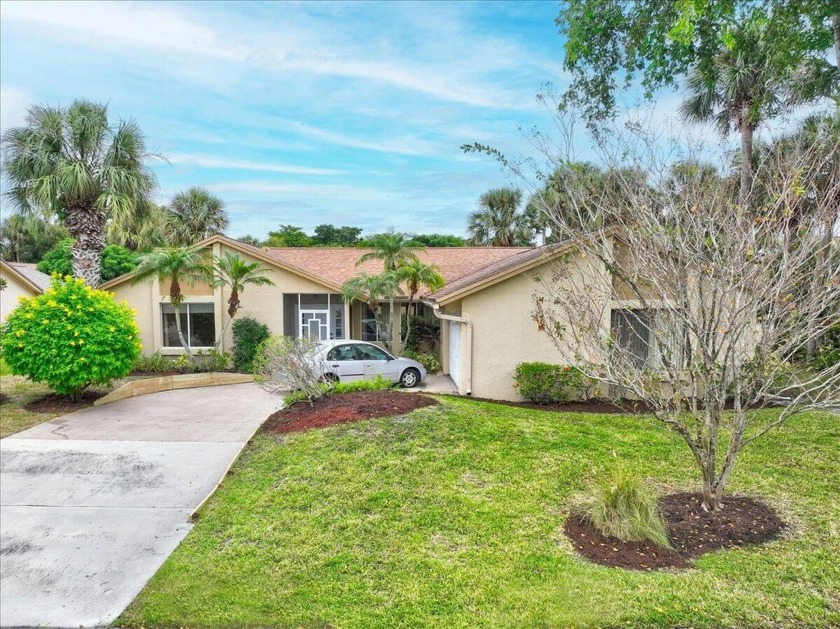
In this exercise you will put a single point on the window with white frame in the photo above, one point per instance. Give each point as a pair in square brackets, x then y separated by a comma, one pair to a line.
[198, 324]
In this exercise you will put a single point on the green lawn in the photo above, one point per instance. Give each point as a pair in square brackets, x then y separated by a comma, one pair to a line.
[453, 516]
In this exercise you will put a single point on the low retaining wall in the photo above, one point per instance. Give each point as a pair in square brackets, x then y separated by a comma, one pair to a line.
[168, 383]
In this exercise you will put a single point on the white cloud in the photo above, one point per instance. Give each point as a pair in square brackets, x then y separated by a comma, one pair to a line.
[13, 104]
[208, 161]
[127, 24]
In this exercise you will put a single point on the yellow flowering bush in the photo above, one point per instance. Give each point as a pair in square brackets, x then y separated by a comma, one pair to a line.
[71, 337]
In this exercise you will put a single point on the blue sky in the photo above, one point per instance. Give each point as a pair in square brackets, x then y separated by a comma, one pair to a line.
[302, 113]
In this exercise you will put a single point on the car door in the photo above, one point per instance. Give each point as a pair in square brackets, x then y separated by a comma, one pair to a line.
[343, 361]
[377, 362]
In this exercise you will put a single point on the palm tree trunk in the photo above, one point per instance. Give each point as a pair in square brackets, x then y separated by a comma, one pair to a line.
[87, 227]
[746, 160]
[184, 344]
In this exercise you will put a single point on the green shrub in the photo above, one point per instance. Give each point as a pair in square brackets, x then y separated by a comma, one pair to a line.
[329, 388]
[429, 360]
[71, 337]
[154, 363]
[424, 334]
[828, 352]
[202, 362]
[543, 383]
[622, 508]
[116, 260]
[248, 333]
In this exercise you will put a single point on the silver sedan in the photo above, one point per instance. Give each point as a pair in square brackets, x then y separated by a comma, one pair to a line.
[348, 360]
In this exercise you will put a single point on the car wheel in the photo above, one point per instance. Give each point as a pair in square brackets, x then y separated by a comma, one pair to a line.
[330, 377]
[409, 378]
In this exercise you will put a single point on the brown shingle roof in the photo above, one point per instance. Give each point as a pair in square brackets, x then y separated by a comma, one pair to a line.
[522, 258]
[29, 272]
[338, 264]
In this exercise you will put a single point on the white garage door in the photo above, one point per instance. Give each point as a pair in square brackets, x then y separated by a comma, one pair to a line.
[455, 352]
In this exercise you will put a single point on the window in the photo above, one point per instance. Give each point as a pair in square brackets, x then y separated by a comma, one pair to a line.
[371, 352]
[631, 330]
[650, 338]
[198, 323]
[342, 352]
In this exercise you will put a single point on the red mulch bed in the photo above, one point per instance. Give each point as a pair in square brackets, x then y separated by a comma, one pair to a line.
[345, 407]
[693, 532]
[54, 403]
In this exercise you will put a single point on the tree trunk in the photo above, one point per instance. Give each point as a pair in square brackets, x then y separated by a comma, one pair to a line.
[835, 22]
[87, 227]
[184, 344]
[746, 160]
[711, 496]
[233, 303]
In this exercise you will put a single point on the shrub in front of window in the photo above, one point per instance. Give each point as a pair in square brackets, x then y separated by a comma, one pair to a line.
[248, 333]
[543, 383]
[71, 337]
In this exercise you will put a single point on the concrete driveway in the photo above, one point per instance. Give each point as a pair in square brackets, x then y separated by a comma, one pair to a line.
[92, 503]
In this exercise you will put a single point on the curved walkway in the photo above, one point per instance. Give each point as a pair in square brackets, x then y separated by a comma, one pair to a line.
[92, 503]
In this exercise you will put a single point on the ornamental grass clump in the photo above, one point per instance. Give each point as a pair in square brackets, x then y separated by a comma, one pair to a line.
[624, 509]
[71, 337]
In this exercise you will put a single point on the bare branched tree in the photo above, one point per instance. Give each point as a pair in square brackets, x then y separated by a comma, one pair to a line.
[285, 364]
[686, 300]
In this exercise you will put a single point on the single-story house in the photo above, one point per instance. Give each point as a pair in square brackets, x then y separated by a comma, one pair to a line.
[485, 309]
[22, 280]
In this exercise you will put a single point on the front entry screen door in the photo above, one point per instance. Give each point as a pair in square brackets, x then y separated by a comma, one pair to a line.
[315, 324]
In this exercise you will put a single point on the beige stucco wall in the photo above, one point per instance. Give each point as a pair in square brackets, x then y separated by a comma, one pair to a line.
[263, 303]
[504, 333]
[15, 289]
[141, 299]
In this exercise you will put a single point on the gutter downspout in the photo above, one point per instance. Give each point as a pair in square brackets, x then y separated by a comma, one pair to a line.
[465, 388]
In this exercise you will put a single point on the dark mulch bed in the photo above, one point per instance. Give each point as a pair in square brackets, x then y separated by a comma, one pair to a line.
[54, 403]
[693, 532]
[345, 407]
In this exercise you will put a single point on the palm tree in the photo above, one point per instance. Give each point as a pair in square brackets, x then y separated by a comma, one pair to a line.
[498, 221]
[415, 274]
[395, 250]
[175, 266]
[232, 271]
[194, 215]
[145, 231]
[749, 81]
[370, 289]
[73, 164]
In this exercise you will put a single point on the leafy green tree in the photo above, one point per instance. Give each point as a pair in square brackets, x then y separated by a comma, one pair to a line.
[560, 198]
[232, 272]
[194, 215]
[116, 260]
[499, 222]
[610, 43]
[332, 236]
[248, 334]
[27, 238]
[416, 274]
[73, 164]
[288, 236]
[71, 337]
[437, 240]
[175, 266]
[372, 289]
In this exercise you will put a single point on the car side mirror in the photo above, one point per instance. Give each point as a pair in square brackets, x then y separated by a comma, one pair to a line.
[390, 357]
